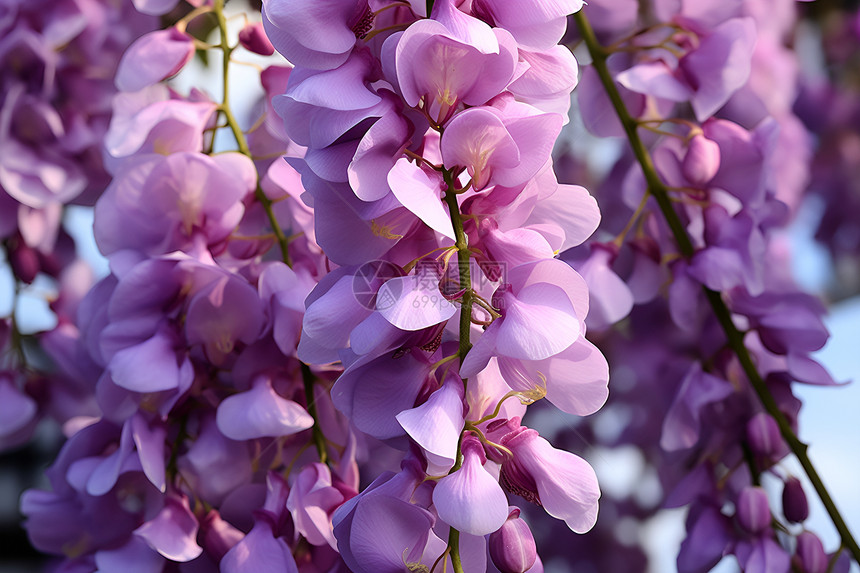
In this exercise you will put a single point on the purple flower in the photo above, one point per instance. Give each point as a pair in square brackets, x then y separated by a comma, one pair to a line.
[561, 482]
[534, 23]
[506, 147]
[312, 502]
[434, 59]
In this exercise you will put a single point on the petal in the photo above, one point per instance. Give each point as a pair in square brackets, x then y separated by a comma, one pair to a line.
[16, 408]
[261, 412]
[259, 551]
[421, 194]
[385, 532]
[566, 484]
[135, 556]
[538, 323]
[574, 209]
[414, 302]
[150, 366]
[152, 58]
[173, 532]
[470, 499]
[436, 426]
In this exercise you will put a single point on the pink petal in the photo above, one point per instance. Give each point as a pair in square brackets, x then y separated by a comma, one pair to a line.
[566, 484]
[655, 79]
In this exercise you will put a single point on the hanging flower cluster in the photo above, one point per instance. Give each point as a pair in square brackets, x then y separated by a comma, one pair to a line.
[428, 165]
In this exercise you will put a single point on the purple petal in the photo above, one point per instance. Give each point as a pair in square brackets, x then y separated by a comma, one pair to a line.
[384, 529]
[538, 323]
[376, 155]
[566, 484]
[470, 499]
[261, 412]
[720, 65]
[154, 7]
[707, 539]
[373, 392]
[436, 426]
[414, 302]
[767, 557]
[135, 556]
[152, 58]
[215, 465]
[173, 532]
[682, 424]
[259, 551]
[478, 140]
[149, 441]
[574, 209]
[655, 79]
[150, 366]
[420, 193]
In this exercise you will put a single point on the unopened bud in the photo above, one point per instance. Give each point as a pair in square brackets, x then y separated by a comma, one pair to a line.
[702, 160]
[810, 553]
[763, 436]
[25, 262]
[753, 510]
[794, 504]
[253, 38]
[512, 547]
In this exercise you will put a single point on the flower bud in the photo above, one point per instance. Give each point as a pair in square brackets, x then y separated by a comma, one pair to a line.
[810, 553]
[794, 504]
[254, 39]
[24, 261]
[512, 547]
[702, 160]
[753, 510]
[763, 436]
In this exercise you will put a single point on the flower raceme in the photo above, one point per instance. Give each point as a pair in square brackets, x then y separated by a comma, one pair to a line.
[433, 189]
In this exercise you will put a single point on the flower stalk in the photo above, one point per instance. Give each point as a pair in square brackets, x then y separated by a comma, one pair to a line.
[735, 338]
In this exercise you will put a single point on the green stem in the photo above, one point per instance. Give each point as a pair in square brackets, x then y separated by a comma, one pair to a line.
[283, 241]
[319, 439]
[241, 141]
[463, 262]
[735, 337]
